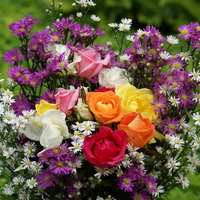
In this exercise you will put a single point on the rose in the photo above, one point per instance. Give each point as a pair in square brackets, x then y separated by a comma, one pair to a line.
[82, 111]
[106, 106]
[104, 89]
[112, 76]
[139, 130]
[44, 106]
[91, 63]
[58, 49]
[49, 128]
[106, 148]
[136, 100]
[66, 100]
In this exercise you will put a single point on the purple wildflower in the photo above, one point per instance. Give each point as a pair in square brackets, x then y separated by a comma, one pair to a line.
[49, 95]
[185, 98]
[59, 166]
[46, 178]
[41, 38]
[23, 26]
[139, 195]
[125, 183]
[186, 32]
[13, 56]
[150, 183]
[21, 103]
[170, 125]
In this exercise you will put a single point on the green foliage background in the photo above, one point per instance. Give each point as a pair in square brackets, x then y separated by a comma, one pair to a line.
[166, 15]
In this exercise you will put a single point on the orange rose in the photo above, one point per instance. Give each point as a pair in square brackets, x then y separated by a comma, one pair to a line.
[106, 106]
[139, 130]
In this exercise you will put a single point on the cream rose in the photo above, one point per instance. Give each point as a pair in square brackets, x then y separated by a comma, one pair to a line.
[49, 128]
[110, 77]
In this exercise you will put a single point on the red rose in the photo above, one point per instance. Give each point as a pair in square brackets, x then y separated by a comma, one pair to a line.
[104, 89]
[106, 148]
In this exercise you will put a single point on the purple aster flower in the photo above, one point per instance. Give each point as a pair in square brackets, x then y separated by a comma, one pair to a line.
[150, 183]
[33, 46]
[125, 183]
[186, 31]
[48, 95]
[43, 157]
[160, 104]
[185, 98]
[65, 23]
[139, 195]
[41, 38]
[176, 64]
[99, 32]
[33, 81]
[21, 103]
[58, 63]
[75, 81]
[55, 37]
[23, 26]
[15, 72]
[59, 166]
[46, 178]
[58, 152]
[13, 56]
[170, 125]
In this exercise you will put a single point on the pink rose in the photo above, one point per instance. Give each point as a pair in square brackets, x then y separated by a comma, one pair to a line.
[66, 100]
[106, 148]
[91, 63]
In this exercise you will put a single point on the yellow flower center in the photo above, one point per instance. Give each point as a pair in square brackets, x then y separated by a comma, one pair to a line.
[184, 32]
[171, 126]
[127, 181]
[47, 178]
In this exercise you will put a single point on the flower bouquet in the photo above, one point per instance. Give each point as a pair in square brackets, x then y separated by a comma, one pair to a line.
[81, 121]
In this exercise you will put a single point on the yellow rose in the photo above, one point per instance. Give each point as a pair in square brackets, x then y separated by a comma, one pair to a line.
[44, 106]
[136, 100]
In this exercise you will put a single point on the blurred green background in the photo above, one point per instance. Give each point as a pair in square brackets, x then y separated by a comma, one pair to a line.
[166, 15]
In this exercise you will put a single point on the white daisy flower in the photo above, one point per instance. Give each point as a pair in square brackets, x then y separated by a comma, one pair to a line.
[18, 180]
[174, 101]
[91, 3]
[124, 27]
[190, 168]
[130, 38]
[113, 25]
[126, 21]
[8, 152]
[79, 14]
[159, 190]
[194, 160]
[24, 195]
[8, 189]
[31, 183]
[176, 141]
[172, 40]
[196, 97]
[165, 55]
[185, 56]
[172, 164]
[125, 57]
[195, 75]
[183, 181]
[196, 117]
[95, 18]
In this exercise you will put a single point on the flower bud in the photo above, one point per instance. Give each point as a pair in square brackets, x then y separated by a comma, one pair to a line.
[82, 111]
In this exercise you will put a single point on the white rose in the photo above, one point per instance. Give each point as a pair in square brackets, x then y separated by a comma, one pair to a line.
[58, 49]
[112, 76]
[49, 128]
